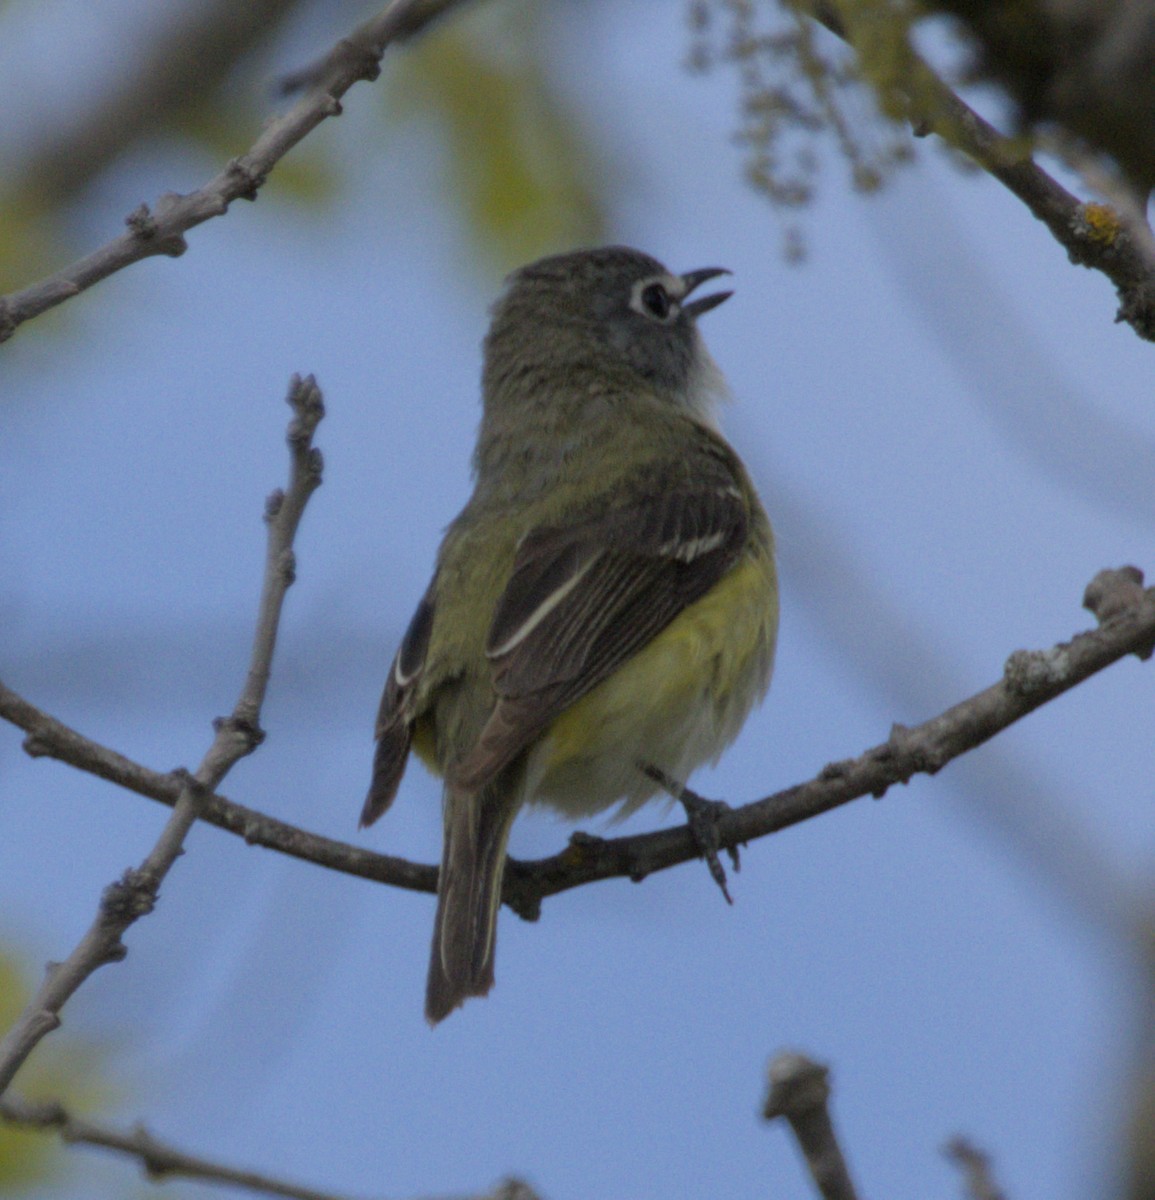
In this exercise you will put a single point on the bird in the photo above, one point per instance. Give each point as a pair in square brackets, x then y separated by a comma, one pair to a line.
[603, 612]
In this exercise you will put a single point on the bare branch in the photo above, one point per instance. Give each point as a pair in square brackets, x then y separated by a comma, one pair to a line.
[130, 897]
[1126, 613]
[159, 1160]
[283, 512]
[134, 895]
[1084, 65]
[799, 1091]
[1094, 235]
[50, 738]
[161, 229]
[408, 23]
[1030, 678]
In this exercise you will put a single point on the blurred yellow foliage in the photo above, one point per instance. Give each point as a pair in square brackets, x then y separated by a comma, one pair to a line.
[224, 128]
[28, 239]
[67, 1071]
[521, 173]
[519, 168]
[25, 1158]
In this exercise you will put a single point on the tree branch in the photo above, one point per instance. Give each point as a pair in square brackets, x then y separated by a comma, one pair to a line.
[1126, 613]
[50, 738]
[1094, 235]
[159, 1160]
[1084, 65]
[799, 1094]
[134, 894]
[161, 229]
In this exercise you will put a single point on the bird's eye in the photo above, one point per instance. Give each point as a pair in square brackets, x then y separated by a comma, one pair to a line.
[657, 301]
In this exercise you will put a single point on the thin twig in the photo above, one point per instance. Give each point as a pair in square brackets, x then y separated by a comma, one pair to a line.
[1126, 613]
[411, 21]
[161, 228]
[159, 1160]
[799, 1094]
[135, 893]
[162, 1161]
[130, 897]
[50, 738]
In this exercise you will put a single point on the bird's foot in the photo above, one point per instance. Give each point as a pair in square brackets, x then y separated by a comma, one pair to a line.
[702, 816]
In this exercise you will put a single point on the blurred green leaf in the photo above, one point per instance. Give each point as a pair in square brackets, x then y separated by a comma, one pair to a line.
[520, 169]
[224, 128]
[25, 1158]
[71, 1071]
[29, 238]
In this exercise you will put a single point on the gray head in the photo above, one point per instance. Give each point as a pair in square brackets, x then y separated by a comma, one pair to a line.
[610, 315]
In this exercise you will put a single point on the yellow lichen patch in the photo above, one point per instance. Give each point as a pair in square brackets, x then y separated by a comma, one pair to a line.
[1100, 222]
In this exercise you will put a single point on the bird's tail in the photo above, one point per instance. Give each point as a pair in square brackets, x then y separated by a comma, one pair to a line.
[477, 824]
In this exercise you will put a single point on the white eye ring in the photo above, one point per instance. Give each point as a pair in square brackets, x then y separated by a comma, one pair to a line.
[656, 298]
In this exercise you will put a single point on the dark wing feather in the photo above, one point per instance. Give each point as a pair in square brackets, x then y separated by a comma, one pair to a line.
[584, 599]
[395, 716]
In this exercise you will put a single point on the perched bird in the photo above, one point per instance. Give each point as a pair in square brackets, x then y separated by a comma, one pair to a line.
[606, 603]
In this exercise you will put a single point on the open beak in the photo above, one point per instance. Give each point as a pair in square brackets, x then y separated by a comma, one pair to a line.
[695, 279]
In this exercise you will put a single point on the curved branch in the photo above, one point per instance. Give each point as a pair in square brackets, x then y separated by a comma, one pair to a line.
[1126, 613]
[161, 229]
[134, 894]
[1094, 235]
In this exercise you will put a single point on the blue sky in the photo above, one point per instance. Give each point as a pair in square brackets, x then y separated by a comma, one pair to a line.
[951, 436]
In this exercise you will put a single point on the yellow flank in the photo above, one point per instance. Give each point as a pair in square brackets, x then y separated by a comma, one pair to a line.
[425, 744]
[677, 703]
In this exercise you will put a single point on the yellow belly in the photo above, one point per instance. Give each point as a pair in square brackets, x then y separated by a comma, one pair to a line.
[679, 702]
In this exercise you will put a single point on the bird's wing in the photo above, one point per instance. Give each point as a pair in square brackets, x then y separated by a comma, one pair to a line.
[584, 598]
[395, 717]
